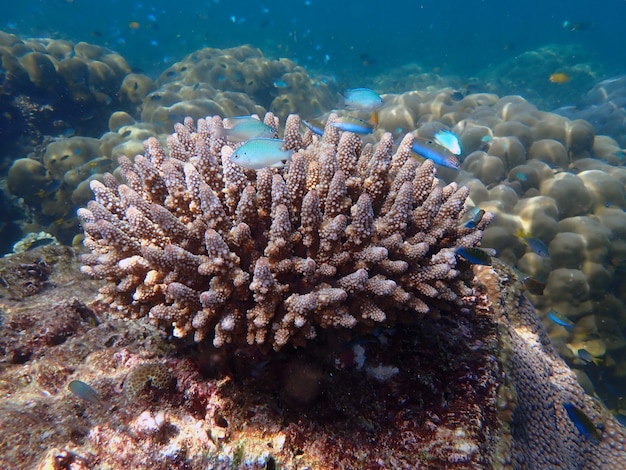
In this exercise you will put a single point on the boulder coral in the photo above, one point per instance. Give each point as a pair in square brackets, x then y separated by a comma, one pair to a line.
[53, 86]
[234, 82]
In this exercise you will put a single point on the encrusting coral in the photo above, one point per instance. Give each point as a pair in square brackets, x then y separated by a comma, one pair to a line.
[345, 235]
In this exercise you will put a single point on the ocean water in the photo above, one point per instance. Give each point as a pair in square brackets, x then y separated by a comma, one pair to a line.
[351, 40]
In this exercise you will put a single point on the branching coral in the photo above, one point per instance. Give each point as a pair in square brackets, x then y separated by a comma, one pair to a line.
[345, 235]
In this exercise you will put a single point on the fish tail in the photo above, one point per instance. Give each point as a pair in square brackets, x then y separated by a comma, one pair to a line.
[221, 132]
[520, 233]
[374, 119]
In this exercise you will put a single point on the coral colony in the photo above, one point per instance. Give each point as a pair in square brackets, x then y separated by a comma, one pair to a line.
[345, 235]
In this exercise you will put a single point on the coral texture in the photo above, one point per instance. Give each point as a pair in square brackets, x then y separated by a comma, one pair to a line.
[541, 433]
[345, 235]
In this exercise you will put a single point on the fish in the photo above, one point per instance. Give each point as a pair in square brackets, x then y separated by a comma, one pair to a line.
[587, 357]
[260, 153]
[312, 127]
[449, 140]
[578, 26]
[535, 244]
[84, 391]
[134, 25]
[561, 320]
[533, 285]
[246, 129]
[559, 78]
[474, 255]
[49, 188]
[366, 59]
[350, 124]
[582, 422]
[431, 151]
[363, 99]
[41, 242]
[472, 217]
[280, 84]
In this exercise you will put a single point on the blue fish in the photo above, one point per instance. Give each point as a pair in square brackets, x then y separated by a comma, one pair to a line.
[245, 128]
[473, 217]
[474, 255]
[535, 244]
[363, 99]
[561, 320]
[350, 124]
[583, 423]
[261, 153]
[312, 127]
[280, 84]
[84, 391]
[438, 154]
[447, 139]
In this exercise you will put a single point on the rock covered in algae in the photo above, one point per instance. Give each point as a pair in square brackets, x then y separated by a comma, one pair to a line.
[478, 387]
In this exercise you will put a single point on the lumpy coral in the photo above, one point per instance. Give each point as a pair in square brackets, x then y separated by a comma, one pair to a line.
[231, 82]
[152, 374]
[347, 234]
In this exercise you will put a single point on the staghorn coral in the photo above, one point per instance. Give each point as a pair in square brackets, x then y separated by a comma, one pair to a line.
[343, 236]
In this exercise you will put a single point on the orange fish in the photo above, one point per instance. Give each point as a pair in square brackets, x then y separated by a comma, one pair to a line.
[134, 25]
[559, 77]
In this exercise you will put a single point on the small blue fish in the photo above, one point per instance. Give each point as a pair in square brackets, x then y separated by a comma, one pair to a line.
[521, 176]
[84, 391]
[261, 153]
[350, 124]
[535, 244]
[473, 217]
[280, 84]
[561, 320]
[447, 139]
[246, 128]
[363, 99]
[474, 255]
[582, 422]
[312, 127]
[438, 154]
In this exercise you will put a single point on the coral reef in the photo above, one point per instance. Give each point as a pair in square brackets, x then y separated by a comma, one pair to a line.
[541, 433]
[528, 74]
[604, 107]
[53, 86]
[346, 235]
[478, 387]
[234, 82]
[554, 178]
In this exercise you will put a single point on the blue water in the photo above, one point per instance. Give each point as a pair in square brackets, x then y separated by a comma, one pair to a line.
[346, 39]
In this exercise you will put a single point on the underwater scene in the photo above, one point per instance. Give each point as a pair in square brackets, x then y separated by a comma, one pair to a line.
[312, 235]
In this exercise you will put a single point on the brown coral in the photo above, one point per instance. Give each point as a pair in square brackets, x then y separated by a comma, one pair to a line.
[341, 237]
